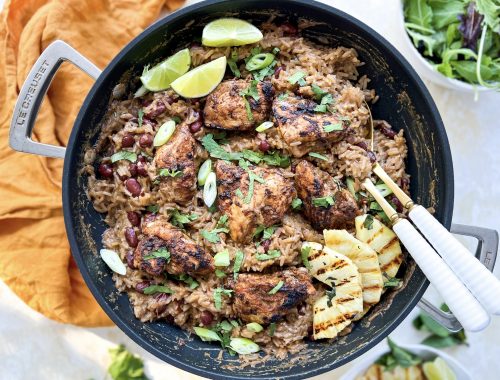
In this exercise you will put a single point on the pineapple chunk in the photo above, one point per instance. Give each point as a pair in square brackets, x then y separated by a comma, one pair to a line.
[377, 372]
[363, 257]
[384, 241]
[333, 314]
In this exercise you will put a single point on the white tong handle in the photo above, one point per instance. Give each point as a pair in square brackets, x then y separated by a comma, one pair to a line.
[461, 302]
[479, 280]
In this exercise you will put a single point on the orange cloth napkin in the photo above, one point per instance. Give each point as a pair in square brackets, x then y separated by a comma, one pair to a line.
[35, 259]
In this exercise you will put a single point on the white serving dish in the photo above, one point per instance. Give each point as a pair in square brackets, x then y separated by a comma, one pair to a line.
[425, 69]
[427, 353]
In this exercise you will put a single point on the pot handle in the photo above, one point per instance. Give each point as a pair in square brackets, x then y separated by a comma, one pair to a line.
[32, 92]
[486, 253]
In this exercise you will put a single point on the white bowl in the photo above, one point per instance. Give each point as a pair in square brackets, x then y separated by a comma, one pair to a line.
[425, 352]
[426, 70]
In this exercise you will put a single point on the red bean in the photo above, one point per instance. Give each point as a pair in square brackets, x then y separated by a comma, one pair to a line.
[134, 218]
[142, 285]
[362, 145]
[141, 158]
[264, 146]
[277, 71]
[288, 28]
[157, 110]
[388, 132]
[196, 126]
[405, 183]
[371, 156]
[142, 169]
[146, 140]
[131, 237]
[169, 99]
[133, 186]
[146, 102]
[130, 260]
[132, 168]
[128, 140]
[265, 244]
[105, 170]
[206, 318]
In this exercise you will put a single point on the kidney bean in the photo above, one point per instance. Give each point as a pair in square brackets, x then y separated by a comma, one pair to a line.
[388, 132]
[134, 218]
[132, 168]
[131, 237]
[146, 102]
[105, 170]
[142, 170]
[371, 156]
[196, 126]
[149, 217]
[128, 140]
[130, 260]
[169, 99]
[265, 244]
[264, 146]
[277, 71]
[142, 285]
[162, 297]
[395, 201]
[405, 183]
[362, 145]
[133, 186]
[157, 110]
[206, 318]
[289, 29]
[146, 140]
[141, 158]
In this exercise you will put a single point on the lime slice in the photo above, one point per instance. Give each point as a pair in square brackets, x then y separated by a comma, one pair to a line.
[230, 32]
[162, 75]
[438, 370]
[202, 80]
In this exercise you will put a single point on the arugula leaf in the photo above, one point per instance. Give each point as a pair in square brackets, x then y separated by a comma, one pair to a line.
[323, 201]
[216, 151]
[317, 155]
[178, 219]
[161, 253]
[238, 260]
[276, 288]
[490, 9]
[169, 173]
[270, 255]
[124, 155]
[153, 289]
[124, 365]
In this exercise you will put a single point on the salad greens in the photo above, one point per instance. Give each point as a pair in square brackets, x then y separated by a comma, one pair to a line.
[460, 38]
[124, 365]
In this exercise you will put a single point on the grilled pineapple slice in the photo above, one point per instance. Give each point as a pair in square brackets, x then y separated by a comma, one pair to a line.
[363, 257]
[384, 241]
[377, 372]
[333, 314]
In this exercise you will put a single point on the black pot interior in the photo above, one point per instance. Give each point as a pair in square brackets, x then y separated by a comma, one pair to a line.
[403, 102]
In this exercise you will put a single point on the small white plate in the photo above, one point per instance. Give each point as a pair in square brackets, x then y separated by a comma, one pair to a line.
[425, 352]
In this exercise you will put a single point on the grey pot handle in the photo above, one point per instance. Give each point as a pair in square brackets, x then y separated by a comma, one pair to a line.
[486, 253]
[32, 93]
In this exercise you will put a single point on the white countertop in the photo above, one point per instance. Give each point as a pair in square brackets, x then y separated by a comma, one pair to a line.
[34, 347]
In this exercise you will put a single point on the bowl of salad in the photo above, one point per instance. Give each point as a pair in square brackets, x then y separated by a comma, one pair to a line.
[409, 362]
[455, 43]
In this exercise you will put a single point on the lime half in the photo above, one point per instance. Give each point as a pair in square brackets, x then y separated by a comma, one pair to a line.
[162, 75]
[230, 32]
[202, 80]
[438, 370]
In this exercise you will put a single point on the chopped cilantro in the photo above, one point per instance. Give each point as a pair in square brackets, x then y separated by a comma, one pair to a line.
[270, 255]
[218, 293]
[318, 156]
[392, 282]
[221, 227]
[330, 294]
[297, 203]
[161, 253]
[248, 109]
[276, 159]
[219, 273]
[332, 127]
[276, 288]
[124, 155]
[318, 91]
[297, 78]
[272, 329]
[140, 115]
[153, 289]
[232, 63]
[216, 151]
[191, 282]
[323, 202]
[325, 101]
[169, 173]
[368, 223]
[153, 208]
[304, 253]
[283, 96]
[251, 90]
[178, 219]
[238, 260]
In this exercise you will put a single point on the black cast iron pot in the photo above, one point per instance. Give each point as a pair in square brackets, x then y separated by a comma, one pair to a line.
[404, 103]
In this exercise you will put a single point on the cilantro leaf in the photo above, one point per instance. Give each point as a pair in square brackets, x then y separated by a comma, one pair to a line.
[304, 253]
[332, 127]
[270, 255]
[238, 261]
[296, 203]
[140, 116]
[124, 155]
[161, 253]
[317, 155]
[330, 294]
[232, 63]
[368, 223]
[218, 293]
[153, 289]
[216, 151]
[323, 201]
[178, 219]
[169, 173]
[297, 77]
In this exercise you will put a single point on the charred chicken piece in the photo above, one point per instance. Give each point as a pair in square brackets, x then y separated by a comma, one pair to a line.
[225, 107]
[247, 206]
[185, 255]
[253, 303]
[302, 128]
[179, 154]
[313, 183]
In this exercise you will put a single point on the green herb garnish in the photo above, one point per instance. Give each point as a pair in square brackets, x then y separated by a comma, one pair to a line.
[178, 219]
[368, 223]
[318, 91]
[216, 151]
[318, 156]
[161, 253]
[238, 261]
[218, 293]
[140, 116]
[221, 227]
[330, 294]
[283, 96]
[391, 282]
[298, 77]
[232, 63]
[323, 201]
[296, 203]
[397, 357]
[272, 329]
[220, 274]
[153, 289]
[124, 155]
[304, 254]
[221, 259]
[325, 101]
[270, 255]
[276, 289]
[169, 173]
[153, 208]
[332, 127]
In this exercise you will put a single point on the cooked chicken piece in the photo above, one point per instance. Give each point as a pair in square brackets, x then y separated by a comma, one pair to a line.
[185, 255]
[266, 204]
[180, 153]
[312, 183]
[301, 127]
[225, 107]
[253, 303]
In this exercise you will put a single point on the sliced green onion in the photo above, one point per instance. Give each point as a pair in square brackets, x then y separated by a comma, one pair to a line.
[207, 335]
[204, 171]
[265, 125]
[255, 327]
[259, 61]
[221, 259]
[210, 189]
[276, 288]
[244, 346]
[383, 189]
[113, 261]
[164, 133]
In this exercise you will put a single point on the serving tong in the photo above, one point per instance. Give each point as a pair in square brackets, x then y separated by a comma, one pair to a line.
[469, 289]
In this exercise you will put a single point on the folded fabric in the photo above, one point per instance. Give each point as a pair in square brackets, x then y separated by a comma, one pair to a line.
[35, 259]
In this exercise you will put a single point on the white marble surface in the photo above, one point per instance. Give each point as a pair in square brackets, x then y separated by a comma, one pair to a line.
[33, 347]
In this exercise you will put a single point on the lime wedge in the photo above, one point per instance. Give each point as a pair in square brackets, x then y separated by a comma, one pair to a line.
[230, 32]
[202, 80]
[438, 370]
[162, 75]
